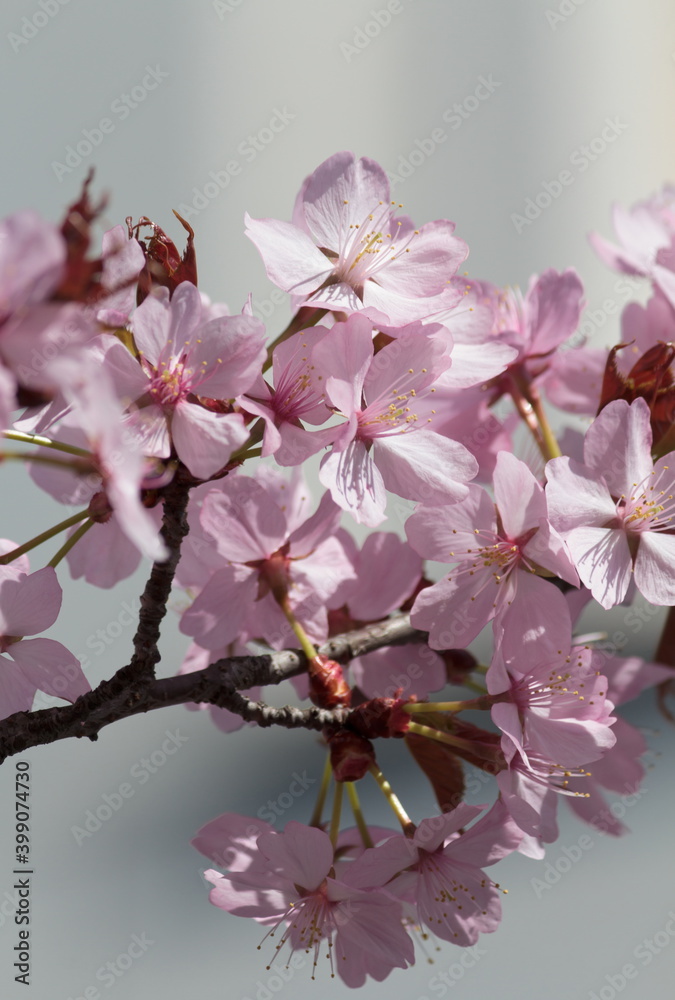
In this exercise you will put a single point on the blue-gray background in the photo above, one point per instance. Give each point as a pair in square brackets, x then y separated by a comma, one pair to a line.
[557, 71]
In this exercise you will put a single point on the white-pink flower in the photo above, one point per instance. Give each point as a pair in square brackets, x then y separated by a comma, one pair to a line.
[499, 548]
[347, 251]
[291, 881]
[388, 441]
[616, 510]
[181, 358]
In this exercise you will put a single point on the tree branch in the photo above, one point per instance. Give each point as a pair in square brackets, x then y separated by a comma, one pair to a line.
[218, 684]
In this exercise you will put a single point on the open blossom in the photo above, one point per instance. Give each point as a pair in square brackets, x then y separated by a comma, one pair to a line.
[615, 511]
[298, 394]
[553, 697]
[290, 881]
[267, 552]
[347, 251]
[646, 233]
[29, 604]
[498, 553]
[181, 358]
[387, 441]
[439, 869]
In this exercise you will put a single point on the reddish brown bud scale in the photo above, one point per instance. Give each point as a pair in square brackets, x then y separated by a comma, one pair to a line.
[351, 755]
[327, 685]
[380, 718]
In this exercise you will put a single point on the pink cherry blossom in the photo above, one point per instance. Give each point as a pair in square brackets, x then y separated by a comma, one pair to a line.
[498, 554]
[553, 699]
[182, 358]
[265, 549]
[29, 604]
[615, 511]
[646, 236]
[348, 252]
[298, 394]
[387, 441]
[362, 930]
[440, 869]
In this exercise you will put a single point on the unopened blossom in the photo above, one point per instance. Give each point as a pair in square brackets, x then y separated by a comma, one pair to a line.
[182, 358]
[499, 549]
[346, 250]
[29, 604]
[616, 510]
[388, 441]
[440, 867]
[292, 883]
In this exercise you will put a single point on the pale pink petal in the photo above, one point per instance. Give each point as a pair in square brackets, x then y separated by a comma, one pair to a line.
[655, 567]
[623, 432]
[303, 854]
[291, 259]
[603, 560]
[243, 520]
[426, 466]
[204, 440]
[355, 483]
[215, 617]
[31, 604]
[51, 668]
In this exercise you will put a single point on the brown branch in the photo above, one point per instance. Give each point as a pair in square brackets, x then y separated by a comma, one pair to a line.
[218, 684]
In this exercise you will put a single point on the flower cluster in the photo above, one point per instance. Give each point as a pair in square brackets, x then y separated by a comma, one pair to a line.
[122, 385]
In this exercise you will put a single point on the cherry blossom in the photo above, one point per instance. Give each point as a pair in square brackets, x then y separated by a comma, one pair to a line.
[615, 511]
[347, 251]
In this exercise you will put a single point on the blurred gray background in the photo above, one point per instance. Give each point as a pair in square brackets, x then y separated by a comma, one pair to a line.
[190, 90]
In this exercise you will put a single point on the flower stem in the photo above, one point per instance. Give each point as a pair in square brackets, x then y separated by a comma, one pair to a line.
[442, 737]
[396, 807]
[337, 810]
[484, 703]
[302, 637]
[43, 537]
[552, 448]
[44, 442]
[323, 791]
[74, 465]
[69, 543]
[358, 814]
